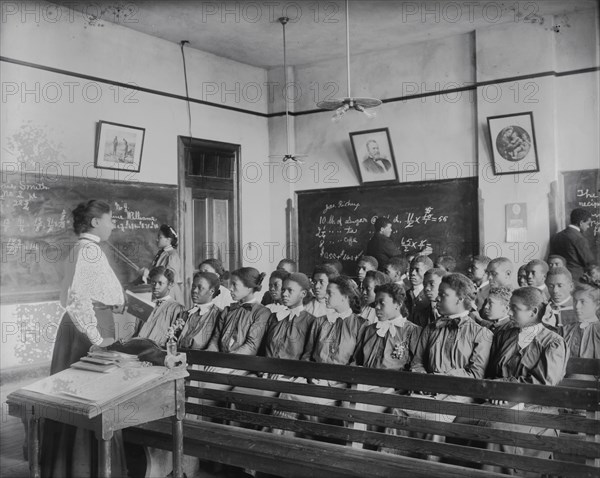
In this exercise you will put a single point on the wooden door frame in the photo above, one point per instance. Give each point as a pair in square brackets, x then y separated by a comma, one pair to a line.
[185, 208]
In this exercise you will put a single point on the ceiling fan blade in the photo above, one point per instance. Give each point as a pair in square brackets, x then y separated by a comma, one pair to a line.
[366, 102]
[331, 104]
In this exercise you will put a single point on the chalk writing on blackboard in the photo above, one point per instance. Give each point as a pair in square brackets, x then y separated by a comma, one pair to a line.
[590, 199]
[343, 229]
[338, 223]
[38, 237]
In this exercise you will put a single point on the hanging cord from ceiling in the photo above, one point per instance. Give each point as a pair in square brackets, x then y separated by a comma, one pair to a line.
[187, 93]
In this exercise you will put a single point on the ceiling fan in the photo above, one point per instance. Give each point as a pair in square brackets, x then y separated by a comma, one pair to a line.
[341, 105]
[288, 156]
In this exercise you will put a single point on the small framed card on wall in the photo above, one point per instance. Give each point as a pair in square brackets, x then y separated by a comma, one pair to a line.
[119, 146]
[512, 139]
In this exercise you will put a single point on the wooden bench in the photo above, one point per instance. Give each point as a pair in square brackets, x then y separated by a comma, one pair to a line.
[330, 449]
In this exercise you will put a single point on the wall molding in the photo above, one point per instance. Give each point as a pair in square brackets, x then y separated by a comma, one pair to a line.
[470, 87]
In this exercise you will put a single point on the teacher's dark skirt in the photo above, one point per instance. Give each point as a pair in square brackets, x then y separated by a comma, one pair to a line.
[68, 451]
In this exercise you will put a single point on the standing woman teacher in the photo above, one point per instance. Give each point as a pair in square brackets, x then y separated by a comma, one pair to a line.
[168, 257]
[89, 293]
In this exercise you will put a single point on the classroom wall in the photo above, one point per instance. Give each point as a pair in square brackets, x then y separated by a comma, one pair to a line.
[445, 136]
[49, 125]
[49, 117]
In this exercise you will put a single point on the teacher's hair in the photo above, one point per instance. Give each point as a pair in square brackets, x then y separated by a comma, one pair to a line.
[85, 212]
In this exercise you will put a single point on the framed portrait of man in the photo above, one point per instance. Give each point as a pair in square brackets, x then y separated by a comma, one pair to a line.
[374, 156]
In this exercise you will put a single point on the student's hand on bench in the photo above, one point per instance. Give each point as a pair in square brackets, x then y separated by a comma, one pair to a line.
[498, 402]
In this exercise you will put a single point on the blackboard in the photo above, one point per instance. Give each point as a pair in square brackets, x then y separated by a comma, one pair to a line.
[38, 237]
[582, 189]
[338, 223]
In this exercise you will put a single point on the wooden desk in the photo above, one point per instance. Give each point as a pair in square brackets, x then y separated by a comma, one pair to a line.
[103, 403]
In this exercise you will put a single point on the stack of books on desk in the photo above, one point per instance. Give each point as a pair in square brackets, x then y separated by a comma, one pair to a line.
[106, 361]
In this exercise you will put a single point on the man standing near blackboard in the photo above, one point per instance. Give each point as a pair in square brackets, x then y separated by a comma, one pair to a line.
[380, 246]
[572, 245]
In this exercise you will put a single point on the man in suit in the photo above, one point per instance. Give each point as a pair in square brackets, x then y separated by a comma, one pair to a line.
[380, 246]
[572, 245]
[374, 162]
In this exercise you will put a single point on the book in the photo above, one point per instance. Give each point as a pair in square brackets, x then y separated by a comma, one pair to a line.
[139, 306]
[93, 367]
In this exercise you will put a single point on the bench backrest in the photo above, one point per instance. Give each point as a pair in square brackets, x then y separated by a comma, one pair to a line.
[572, 411]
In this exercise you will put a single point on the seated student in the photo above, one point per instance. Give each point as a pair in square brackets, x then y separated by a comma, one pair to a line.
[201, 319]
[591, 274]
[415, 296]
[477, 272]
[390, 342]
[371, 281]
[288, 334]
[497, 309]
[214, 265]
[424, 316]
[321, 276]
[334, 338]
[365, 263]
[583, 336]
[272, 298]
[241, 326]
[560, 285]
[554, 260]
[446, 262]
[167, 309]
[397, 269]
[536, 276]
[499, 272]
[522, 276]
[337, 265]
[287, 265]
[454, 345]
[527, 353]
